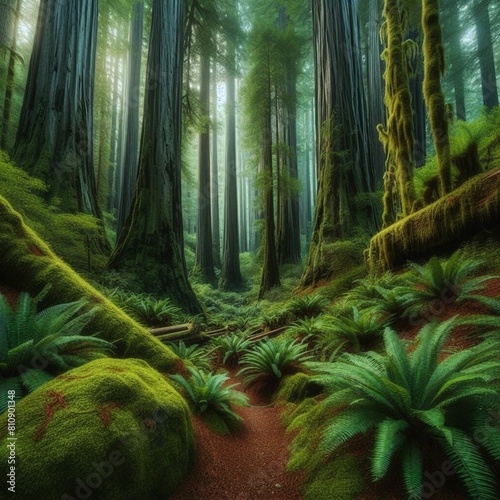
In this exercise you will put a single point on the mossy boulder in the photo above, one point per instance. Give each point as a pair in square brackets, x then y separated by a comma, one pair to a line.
[114, 429]
[27, 264]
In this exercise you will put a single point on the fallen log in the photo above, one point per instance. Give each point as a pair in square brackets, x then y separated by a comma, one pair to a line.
[450, 220]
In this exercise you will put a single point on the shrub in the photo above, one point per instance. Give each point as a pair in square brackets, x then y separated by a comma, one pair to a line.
[271, 360]
[207, 392]
[413, 399]
[51, 339]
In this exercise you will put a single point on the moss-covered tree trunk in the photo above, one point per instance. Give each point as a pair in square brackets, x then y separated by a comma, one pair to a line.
[398, 136]
[131, 149]
[151, 246]
[434, 97]
[231, 275]
[204, 261]
[55, 136]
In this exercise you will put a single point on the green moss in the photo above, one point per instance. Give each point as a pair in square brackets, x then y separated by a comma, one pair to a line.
[29, 265]
[115, 425]
[293, 388]
[337, 476]
[452, 219]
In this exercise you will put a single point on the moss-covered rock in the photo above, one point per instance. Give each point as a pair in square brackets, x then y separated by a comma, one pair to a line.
[295, 388]
[28, 264]
[115, 429]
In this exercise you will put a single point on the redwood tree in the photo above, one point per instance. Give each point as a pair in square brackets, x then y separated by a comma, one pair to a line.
[151, 246]
[55, 136]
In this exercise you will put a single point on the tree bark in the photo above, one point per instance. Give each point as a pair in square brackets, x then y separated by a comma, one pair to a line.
[215, 173]
[9, 40]
[485, 52]
[231, 275]
[345, 169]
[55, 136]
[131, 149]
[151, 247]
[434, 97]
[204, 262]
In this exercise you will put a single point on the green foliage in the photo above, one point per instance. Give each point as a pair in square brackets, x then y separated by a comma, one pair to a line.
[450, 281]
[270, 360]
[36, 347]
[411, 400]
[151, 312]
[355, 330]
[307, 306]
[232, 347]
[207, 392]
[306, 328]
[194, 354]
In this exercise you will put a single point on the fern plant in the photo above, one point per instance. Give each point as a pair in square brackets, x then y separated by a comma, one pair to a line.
[271, 360]
[450, 281]
[208, 392]
[307, 306]
[232, 347]
[356, 330]
[194, 354]
[36, 347]
[152, 312]
[307, 328]
[411, 399]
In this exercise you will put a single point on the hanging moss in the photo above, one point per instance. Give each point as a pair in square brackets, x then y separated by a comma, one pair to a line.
[451, 219]
[398, 136]
[113, 429]
[434, 97]
[28, 264]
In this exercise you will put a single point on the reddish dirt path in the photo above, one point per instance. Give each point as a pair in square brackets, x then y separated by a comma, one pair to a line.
[248, 465]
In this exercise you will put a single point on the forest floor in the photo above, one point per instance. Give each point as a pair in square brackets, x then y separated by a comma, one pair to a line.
[246, 465]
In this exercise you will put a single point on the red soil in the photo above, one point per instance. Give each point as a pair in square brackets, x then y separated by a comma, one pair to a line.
[247, 465]
[10, 294]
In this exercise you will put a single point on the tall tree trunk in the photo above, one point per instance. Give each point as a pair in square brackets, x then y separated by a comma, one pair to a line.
[345, 169]
[270, 269]
[485, 51]
[453, 34]
[8, 38]
[151, 246]
[288, 234]
[434, 97]
[215, 173]
[122, 119]
[307, 186]
[114, 138]
[54, 138]
[417, 100]
[204, 262]
[131, 146]
[231, 275]
[376, 108]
